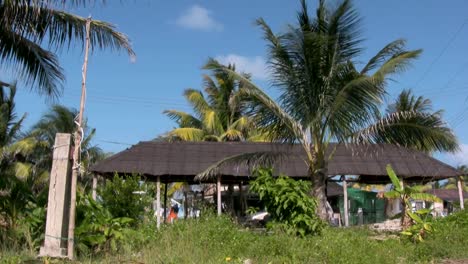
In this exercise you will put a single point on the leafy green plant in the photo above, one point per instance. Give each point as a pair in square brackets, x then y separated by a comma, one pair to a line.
[406, 194]
[288, 202]
[126, 196]
[251, 210]
[98, 229]
[33, 224]
[421, 225]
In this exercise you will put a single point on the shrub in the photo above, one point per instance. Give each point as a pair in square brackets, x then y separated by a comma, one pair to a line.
[288, 202]
[97, 229]
[126, 196]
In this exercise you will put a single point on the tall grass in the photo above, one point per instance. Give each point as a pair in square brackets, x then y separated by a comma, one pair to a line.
[214, 239]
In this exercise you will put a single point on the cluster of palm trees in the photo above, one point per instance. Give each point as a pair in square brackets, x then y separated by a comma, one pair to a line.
[31, 34]
[26, 157]
[324, 96]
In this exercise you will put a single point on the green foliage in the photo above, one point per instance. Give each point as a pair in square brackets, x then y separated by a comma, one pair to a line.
[126, 196]
[27, 25]
[212, 239]
[288, 202]
[97, 228]
[406, 194]
[251, 210]
[34, 225]
[421, 227]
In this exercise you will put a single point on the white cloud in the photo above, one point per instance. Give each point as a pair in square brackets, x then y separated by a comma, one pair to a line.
[199, 18]
[461, 157]
[253, 65]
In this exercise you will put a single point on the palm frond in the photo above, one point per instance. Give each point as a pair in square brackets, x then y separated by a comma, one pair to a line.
[34, 64]
[187, 134]
[183, 119]
[232, 135]
[197, 100]
[420, 131]
[211, 122]
[389, 51]
[248, 160]
[267, 113]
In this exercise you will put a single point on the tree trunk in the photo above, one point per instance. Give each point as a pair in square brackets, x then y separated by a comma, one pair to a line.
[406, 220]
[319, 188]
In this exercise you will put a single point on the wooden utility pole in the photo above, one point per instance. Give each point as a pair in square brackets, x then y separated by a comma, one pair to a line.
[77, 147]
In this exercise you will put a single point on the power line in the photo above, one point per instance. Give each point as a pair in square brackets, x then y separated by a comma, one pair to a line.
[441, 53]
[114, 142]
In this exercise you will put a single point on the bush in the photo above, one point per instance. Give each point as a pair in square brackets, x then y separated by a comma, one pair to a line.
[126, 196]
[288, 202]
[97, 229]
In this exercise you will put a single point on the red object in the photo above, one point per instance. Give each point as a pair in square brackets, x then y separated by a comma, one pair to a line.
[172, 216]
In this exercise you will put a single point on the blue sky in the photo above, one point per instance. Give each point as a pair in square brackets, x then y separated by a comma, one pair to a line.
[173, 39]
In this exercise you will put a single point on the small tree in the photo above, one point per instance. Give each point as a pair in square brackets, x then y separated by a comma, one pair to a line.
[125, 197]
[406, 194]
[288, 202]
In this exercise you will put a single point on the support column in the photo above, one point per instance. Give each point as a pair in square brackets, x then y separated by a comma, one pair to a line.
[95, 180]
[460, 193]
[241, 200]
[165, 202]
[345, 201]
[56, 232]
[218, 193]
[158, 201]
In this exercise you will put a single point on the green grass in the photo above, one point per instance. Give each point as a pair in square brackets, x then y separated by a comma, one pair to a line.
[219, 240]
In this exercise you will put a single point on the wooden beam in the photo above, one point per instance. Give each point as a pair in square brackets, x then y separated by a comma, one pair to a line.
[460, 193]
[345, 201]
[218, 193]
[158, 201]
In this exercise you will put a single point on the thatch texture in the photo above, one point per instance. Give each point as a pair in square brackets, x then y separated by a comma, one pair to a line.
[182, 161]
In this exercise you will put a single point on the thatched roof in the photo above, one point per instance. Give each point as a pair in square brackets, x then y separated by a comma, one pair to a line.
[450, 195]
[181, 161]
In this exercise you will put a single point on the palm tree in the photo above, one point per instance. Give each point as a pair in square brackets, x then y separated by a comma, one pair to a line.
[323, 96]
[26, 25]
[14, 189]
[60, 119]
[217, 117]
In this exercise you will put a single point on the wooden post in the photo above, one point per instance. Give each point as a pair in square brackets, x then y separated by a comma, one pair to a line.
[345, 201]
[241, 200]
[77, 146]
[95, 180]
[460, 193]
[218, 193]
[185, 204]
[158, 201]
[165, 202]
[56, 234]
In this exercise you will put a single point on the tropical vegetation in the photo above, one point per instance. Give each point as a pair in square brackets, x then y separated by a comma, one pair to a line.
[325, 98]
[27, 26]
[217, 117]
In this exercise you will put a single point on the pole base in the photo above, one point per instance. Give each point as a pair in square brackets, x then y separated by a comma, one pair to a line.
[53, 252]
